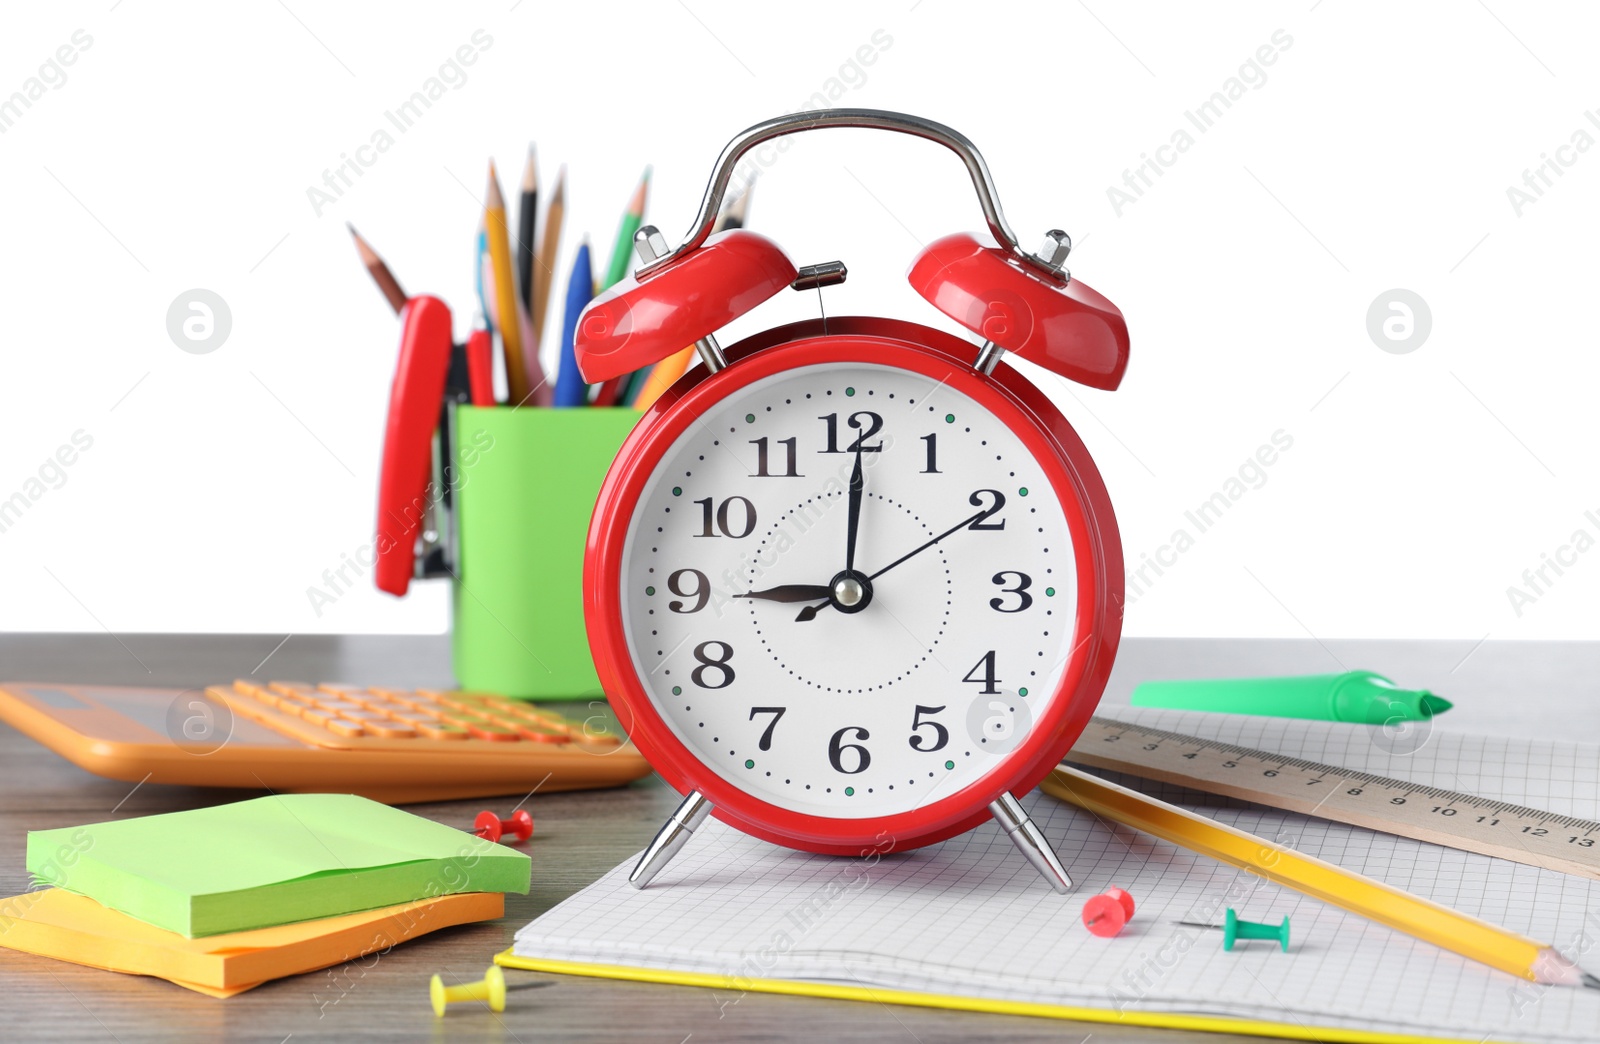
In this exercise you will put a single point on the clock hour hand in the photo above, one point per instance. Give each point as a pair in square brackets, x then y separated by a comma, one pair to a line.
[790, 593]
[810, 611]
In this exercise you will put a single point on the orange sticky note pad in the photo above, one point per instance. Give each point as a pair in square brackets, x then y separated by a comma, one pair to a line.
[69, 927]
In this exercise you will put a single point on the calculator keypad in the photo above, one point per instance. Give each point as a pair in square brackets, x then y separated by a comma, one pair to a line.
[348, 716]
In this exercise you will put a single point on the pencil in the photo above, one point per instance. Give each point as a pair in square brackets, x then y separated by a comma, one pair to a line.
[666, 372]
[387, 283]
[527, 221]
[540, 392]
[1417, 917]
[570, 389]
[632, 218]
[505, 294]
[616, 389]
[544, 275]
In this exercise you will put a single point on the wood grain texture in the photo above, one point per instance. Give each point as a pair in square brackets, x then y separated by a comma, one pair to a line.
[578, 837]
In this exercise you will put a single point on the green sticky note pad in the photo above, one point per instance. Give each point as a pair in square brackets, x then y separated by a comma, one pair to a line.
[269, 861]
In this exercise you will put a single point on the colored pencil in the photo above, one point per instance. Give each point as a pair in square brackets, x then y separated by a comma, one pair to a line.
[632, 218]
[544, 274]
[1417, 917]
[388, 285]
[617, 388]
[663, 376]
[505, 293]
[527, 221]
[666, 372]
[570, 388]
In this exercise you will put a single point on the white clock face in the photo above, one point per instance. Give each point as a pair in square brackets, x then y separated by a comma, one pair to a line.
[849, 688]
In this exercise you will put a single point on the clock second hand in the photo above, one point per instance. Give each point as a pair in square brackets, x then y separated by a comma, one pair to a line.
[810, 611]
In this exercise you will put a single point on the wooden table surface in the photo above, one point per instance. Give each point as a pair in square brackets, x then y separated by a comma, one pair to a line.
[1498, 687]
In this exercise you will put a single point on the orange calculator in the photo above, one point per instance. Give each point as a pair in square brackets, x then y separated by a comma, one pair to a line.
[393, 745]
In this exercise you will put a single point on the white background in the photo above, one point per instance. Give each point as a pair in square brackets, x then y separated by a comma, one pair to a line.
[1376, 154]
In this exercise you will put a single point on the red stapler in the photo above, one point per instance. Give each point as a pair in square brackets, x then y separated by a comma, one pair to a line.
[407, 492]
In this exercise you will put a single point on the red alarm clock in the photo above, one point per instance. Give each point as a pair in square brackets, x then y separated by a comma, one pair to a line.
[854, 583]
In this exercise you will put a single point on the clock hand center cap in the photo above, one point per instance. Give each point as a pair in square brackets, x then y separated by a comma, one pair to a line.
[852, 591]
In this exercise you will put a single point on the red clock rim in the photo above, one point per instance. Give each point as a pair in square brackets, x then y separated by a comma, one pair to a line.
[1008, 396]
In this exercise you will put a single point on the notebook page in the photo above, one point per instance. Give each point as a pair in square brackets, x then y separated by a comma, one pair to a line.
[971, 917]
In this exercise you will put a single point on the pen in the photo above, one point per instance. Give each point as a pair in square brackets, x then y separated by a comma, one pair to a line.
[570, 388]
[480, 367]
[483, 276]
[527, 220]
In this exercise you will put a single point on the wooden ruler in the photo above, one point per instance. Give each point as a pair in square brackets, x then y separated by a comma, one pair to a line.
[1443, 817]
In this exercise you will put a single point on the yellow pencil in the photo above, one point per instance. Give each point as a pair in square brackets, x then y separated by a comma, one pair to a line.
[505, 289]
[1413, 915]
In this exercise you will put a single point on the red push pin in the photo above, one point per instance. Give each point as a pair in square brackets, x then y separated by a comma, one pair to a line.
[491, 827]
[1106, 914]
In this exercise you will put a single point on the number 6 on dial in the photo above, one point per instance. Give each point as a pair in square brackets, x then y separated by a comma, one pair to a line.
[855, 581]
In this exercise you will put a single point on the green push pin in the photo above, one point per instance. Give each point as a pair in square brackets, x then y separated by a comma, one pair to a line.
[1234, 929]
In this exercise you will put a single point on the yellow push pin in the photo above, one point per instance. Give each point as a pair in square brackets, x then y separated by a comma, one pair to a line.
[492, 988]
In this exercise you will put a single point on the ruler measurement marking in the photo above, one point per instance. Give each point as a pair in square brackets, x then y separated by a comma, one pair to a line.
[1359, 798]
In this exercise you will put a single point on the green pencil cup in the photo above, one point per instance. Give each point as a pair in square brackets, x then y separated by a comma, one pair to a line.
[527, 482]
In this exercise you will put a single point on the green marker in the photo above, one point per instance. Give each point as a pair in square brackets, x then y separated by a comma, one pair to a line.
[1361, 697]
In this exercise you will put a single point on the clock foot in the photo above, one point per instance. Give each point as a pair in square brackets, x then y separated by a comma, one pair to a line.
[671, 837]
[1011, 816]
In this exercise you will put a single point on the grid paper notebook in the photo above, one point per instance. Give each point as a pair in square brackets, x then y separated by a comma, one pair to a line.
[970, 918]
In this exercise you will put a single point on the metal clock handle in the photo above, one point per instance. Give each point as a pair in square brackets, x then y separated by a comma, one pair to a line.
[1048, 263]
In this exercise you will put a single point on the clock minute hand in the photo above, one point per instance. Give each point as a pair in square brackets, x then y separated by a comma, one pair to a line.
[790, 593]
[963, 524]
[810, 611]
